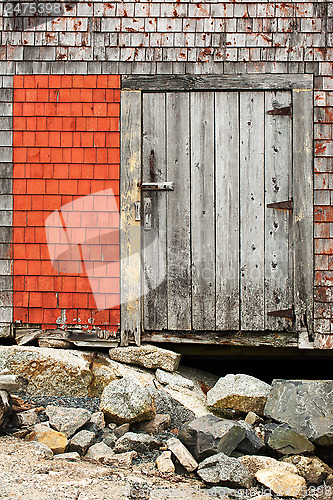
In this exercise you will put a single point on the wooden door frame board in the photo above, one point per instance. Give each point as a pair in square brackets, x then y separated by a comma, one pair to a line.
[171, 83]
[130, 175]
[130, 229]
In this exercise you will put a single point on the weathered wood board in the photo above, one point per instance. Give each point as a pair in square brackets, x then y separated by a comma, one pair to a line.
[155, 309]
[252, 210]
[227, 210]
[178, 211]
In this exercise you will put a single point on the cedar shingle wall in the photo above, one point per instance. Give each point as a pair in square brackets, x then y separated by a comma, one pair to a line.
[171, 37]
[323, 210]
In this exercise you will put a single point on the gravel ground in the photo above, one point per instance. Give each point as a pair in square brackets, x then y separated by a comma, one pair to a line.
[25, 476]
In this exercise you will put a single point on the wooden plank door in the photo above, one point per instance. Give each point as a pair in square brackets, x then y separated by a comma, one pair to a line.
[222, 260]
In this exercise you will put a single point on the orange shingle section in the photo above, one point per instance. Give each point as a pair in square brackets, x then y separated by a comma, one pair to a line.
[66, 148]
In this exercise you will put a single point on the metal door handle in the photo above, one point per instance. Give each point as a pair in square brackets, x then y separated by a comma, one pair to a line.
[157, 186]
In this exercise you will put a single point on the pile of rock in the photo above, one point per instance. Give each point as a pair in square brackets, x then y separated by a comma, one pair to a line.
[240, 435]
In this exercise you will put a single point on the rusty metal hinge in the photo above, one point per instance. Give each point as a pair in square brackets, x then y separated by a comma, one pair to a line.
[283, 313]
[282, 205]
[285, 111]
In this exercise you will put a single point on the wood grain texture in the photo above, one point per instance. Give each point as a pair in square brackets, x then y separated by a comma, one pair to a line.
[229, 258]
[155, 304]
[246, 339]
[216, 82]
[303, 207]
[227, 210]
[202, 210]
[252, 139]
[178, 211]
[278, 223]
[130, 241]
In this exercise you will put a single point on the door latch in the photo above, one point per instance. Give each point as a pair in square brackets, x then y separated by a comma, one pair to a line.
[157, 186]
[137, 210]
[147, 214]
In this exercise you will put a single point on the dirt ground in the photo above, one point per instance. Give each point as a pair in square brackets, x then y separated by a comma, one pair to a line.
[23, 475]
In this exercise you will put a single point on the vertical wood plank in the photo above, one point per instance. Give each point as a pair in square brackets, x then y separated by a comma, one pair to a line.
[154, 241]
[252, 140]
[202, 211]
[303, 207]
[130, 244]
[278, 229]
[227, 209]
[178, 211]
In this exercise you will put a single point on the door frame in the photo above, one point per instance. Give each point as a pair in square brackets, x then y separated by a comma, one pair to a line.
[132, 88]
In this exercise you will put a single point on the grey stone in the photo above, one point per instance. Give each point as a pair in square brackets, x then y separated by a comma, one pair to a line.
[164, 463]
[121, 430]
[97, 418]
[282, 482]
[312, 469]
[252, 444]
[173, 379]
[147, 356]
[240, 393]
[252, 418]
[91, 427]
[166, 404]
[67, 420]
[223, 470]
[256, 462]
[55, 343]
[71, 456]
[122, 460]
[209, 434]
[126, 401]
[108, 437]
[306, 406]
[57, 372]
[156, 425]
[136, 442]
[99, 451]
[42, 450]
[289, 442]
[81, 441]
[28, 418]
[182, 454]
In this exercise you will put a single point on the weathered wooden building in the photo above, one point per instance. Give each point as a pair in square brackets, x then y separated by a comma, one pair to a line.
[166, 171]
